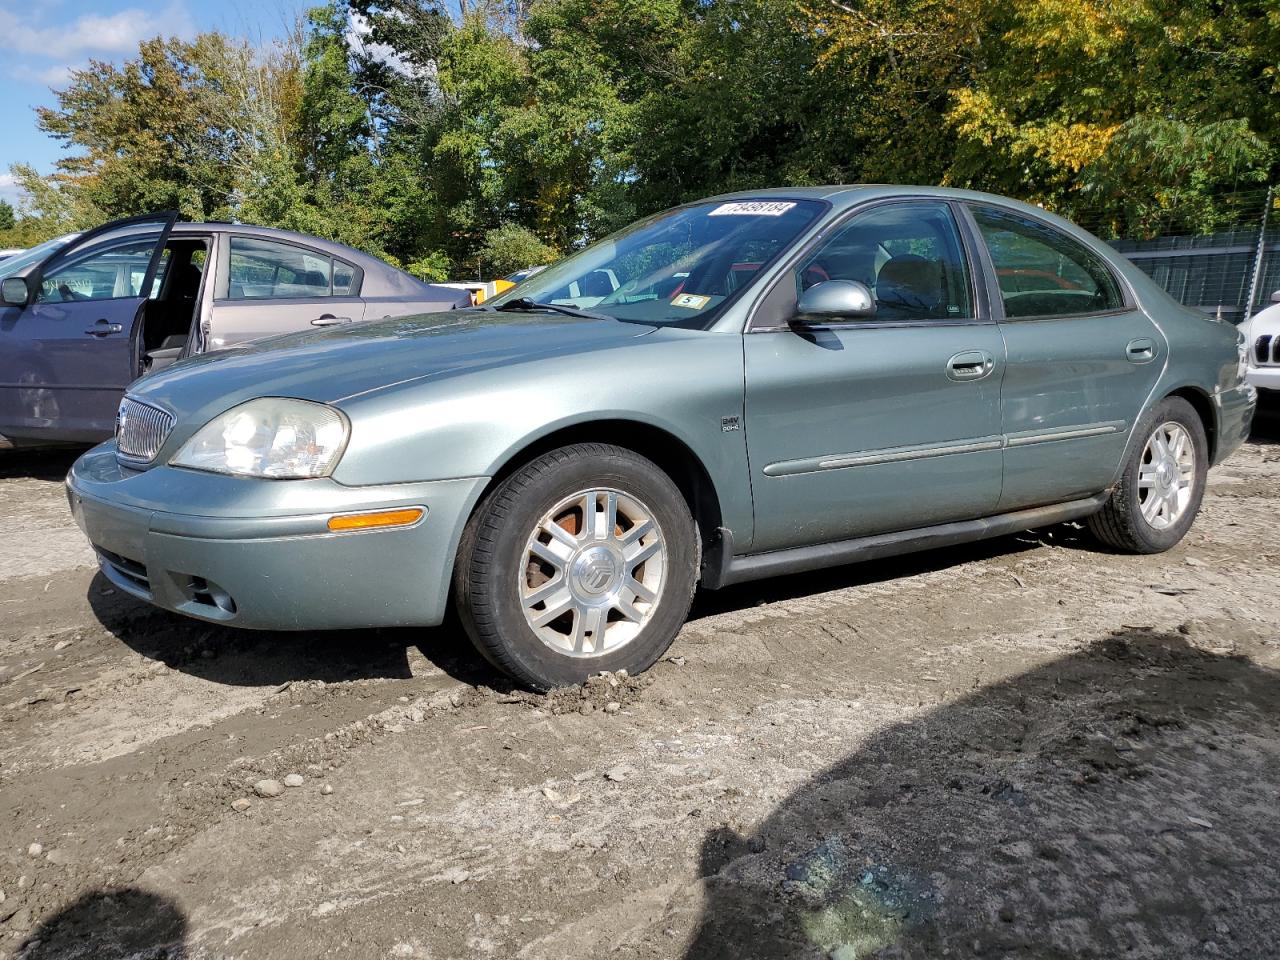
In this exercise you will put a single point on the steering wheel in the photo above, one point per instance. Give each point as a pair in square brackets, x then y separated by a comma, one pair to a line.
[66, 293]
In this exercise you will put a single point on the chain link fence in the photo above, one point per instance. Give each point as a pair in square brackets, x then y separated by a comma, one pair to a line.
[1230, 272]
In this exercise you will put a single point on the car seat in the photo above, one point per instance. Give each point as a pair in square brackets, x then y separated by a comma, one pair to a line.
[909, 285]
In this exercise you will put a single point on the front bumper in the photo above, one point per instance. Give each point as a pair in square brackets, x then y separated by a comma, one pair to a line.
[1264, 378]
[258, 553]
[1236, 407]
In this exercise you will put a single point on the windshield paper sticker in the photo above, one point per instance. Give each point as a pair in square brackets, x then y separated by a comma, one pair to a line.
[690, 301]
[752, 208]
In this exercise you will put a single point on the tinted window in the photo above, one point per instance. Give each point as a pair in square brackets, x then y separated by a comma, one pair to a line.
[263, 269]
[908, 255]
[1043, 272]
[679, 267]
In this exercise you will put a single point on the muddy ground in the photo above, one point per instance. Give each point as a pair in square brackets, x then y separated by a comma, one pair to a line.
[1023, 748]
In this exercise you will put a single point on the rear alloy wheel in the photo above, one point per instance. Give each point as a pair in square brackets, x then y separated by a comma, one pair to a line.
[1159, 494]
[584, 560]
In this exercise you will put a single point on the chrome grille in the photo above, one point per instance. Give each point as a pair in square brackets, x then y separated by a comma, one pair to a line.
[141, 430]
[1267, 350]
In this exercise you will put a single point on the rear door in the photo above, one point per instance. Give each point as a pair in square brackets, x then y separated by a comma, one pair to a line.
[273, 286]
[74, 349]
[1082, 359]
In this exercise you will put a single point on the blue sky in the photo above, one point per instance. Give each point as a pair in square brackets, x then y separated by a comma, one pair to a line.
[44, 39]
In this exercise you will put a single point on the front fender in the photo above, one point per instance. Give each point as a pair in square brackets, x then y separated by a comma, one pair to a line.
[688, 384]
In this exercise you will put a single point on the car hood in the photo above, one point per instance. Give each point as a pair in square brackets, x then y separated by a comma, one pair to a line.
[338, 363]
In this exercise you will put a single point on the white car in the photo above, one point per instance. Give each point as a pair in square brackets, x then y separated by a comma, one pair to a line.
[1264, 347]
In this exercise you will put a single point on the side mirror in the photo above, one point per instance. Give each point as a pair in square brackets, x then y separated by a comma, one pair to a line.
[14, 292]
[836, 300]
[1275, 297]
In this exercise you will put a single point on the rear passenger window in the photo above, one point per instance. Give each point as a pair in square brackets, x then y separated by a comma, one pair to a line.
[263, 269]
[1043, 272]
[907, 254]
[344, 278]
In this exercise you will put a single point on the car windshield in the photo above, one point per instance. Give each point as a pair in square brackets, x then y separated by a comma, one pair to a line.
[680, 267]
[19, 262]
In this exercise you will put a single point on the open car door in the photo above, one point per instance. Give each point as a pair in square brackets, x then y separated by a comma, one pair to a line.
[74, 348]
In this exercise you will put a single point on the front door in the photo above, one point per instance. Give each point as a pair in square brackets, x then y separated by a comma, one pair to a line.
[1082, 360]
[73, 349]
[889, 423]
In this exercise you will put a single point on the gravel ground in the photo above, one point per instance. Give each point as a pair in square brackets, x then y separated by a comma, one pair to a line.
[1023, 748]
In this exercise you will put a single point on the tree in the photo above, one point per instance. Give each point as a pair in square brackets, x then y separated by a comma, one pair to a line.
[511, 247]
[8, 218]
[1121, 109]
[143, 132]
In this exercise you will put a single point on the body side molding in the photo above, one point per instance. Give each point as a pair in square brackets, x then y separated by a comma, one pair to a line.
[923, 451]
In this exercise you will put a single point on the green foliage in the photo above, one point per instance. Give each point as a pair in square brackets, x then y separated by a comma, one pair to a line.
[511, 247]
[433, 267]
[500, 135]
[8, 217]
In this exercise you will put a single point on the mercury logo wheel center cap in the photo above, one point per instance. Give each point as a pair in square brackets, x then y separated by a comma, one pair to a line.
[595, 570]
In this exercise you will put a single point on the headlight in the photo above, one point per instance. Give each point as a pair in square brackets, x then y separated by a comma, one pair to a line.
[1242, 352]
[269, 437]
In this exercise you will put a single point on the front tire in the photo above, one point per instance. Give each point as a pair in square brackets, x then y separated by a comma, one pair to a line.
[1159, 494]
[583, 560]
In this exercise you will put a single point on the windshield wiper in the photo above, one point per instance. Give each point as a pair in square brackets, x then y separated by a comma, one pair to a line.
[524, 303]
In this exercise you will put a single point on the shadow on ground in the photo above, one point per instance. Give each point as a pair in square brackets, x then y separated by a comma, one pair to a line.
[1266, 421]
[46, 463]
[255, 658]
[111, 924]
[1116, 803]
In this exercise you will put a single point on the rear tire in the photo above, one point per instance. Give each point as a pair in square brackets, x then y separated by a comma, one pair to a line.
[583, 560]
[1159, 494]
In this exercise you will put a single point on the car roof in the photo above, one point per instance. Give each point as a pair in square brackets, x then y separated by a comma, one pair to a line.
[845, 194]
[273, 233]
[381, 279]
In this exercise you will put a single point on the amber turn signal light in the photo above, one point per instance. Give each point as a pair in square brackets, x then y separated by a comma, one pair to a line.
[372, 521]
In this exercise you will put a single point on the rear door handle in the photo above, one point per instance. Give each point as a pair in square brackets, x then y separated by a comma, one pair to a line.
[1142, 350]
[103, 329]
[329, 320]
[970, 365]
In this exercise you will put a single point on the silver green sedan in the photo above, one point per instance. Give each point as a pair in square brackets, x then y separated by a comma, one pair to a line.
[748, 386]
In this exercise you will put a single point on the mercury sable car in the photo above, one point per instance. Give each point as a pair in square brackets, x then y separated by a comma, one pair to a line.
[780, 381]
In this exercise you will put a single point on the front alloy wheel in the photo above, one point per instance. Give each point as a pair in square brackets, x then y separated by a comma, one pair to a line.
[583, 560]
[593, 572]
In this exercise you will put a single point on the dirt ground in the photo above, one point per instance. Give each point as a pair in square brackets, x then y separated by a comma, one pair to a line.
[1023, 748]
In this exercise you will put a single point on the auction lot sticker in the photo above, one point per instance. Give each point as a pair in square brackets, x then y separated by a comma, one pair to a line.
[691, 301]
[752, 208]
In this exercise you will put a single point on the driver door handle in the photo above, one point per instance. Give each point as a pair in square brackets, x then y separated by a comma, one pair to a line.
[104, 329]
[329, 320]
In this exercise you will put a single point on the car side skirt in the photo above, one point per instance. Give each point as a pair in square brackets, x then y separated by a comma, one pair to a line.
[778, 563]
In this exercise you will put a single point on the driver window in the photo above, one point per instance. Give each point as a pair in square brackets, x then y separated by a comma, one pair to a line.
[908, 255]
[111, 271]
